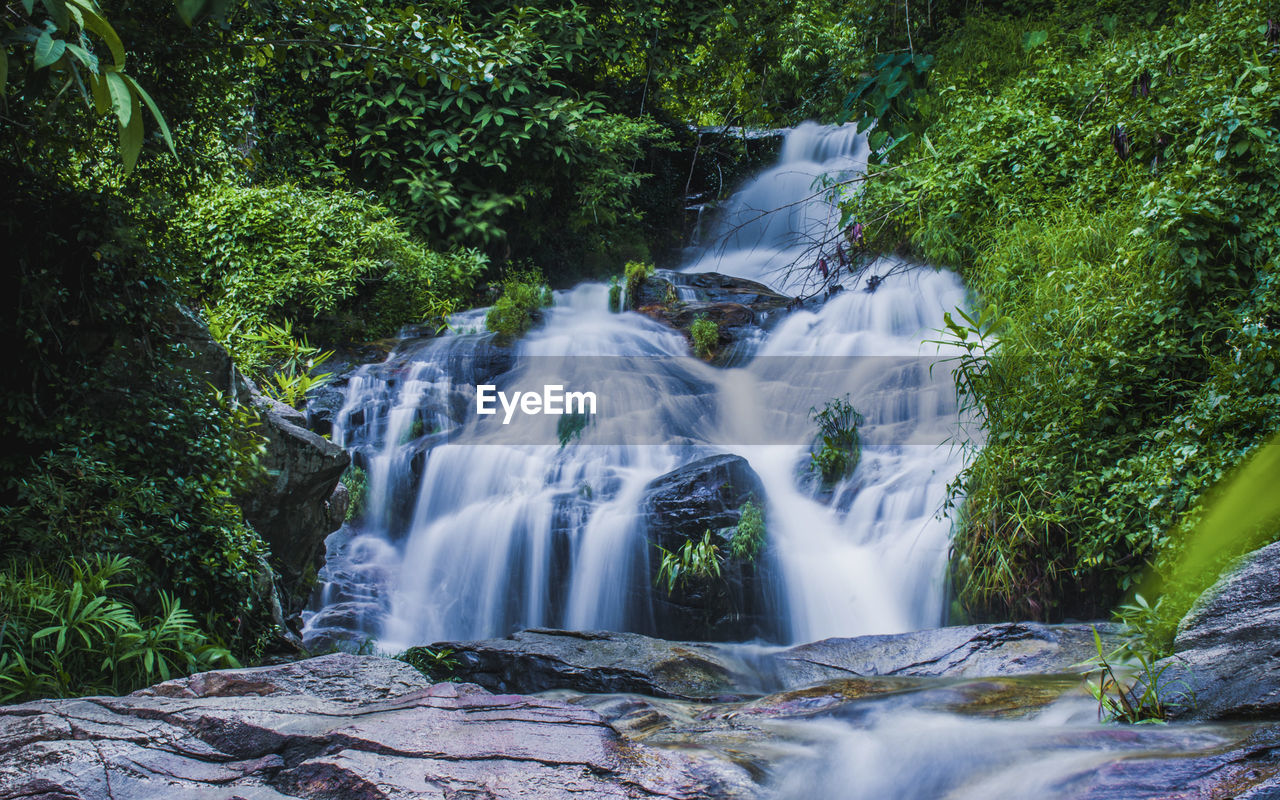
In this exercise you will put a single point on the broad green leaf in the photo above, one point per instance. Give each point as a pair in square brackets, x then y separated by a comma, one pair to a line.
[131, 136]
[155, 112]
[58, 11]
[4, 70]
[95, 23]
[48, 50]
[1034, 39]
[101, 95]
[122, 100]
[89, 60]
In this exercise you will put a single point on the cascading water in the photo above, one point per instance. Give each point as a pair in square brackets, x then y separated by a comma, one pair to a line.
[474, 529]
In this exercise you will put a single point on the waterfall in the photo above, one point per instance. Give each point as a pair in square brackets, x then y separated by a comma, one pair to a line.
[474, 528]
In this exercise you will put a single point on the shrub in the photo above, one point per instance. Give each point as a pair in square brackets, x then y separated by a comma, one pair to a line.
[524, 295]
[635, 273]
[69, 631]
[336, 265]
[697, 561]
[1110, 188]
[706, 336]
[838, 445]
[749, 537]
[357, 483]
[615, 294]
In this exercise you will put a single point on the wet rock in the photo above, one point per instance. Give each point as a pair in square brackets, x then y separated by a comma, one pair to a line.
[683, 505]
[539, 659]
[335, 727]
[739, 307]
[1225, 663]
[292, 509]
[1011, 648]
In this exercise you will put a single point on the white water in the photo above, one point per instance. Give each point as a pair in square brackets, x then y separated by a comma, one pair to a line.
[486, 533]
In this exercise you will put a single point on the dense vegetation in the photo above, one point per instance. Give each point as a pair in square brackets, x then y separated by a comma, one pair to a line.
[305, 174]
[301, 175]
[1105, 178]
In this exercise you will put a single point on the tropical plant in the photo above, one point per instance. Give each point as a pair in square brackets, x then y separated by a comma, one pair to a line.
[357, 483]
[438, 665]
[694, 562]
[749, 537]
[69, 630]
[524, 295]
[838, 446]
[1128, 685]
[706, 336]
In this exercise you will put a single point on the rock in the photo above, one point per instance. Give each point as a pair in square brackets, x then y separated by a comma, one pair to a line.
[292, 510]
[1011, 648]
[539, 660]
[1226, 661]
[682, 505]
[335, 727]
[737, 306]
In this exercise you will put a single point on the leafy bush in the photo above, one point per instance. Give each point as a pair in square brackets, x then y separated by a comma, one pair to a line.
[524, 295]
[706, 336]
[634, 274]
[749, 537]
[438, 665]
[70, 631]
[332, 264]
[1111, 190]
[694, 561]
[838, 444]
[357, 483]
[615, 294]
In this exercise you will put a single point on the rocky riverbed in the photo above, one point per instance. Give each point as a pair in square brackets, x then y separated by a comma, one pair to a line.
[553, 714]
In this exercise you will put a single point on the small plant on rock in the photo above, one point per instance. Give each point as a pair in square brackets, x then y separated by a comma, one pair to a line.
[838, 445]
[635, 273]
[697, 561]
[749, 537]
[438, 665]
[706, 336]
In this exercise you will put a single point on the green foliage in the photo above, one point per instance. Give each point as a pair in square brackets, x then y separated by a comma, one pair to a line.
[706, 336]
[524, 295]
[357, 483]
[698, 562]
[70, 630]
[615, 294]
[838, 444]
[1128, 683]
[750, 535]
[634, 274]
[570, 427]
[1111, 191]
[438, 665]
[330, 264]
[885, 98]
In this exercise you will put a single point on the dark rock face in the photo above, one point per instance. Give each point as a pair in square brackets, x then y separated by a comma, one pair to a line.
[339, 726]
[292, 511]
[683, 505]
[1225, 663]
[737, 306]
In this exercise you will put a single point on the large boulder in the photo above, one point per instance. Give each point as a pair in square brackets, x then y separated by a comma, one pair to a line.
[538, 660]
[339, 726]
[682, 506]
[1225, 663]
[300, 503]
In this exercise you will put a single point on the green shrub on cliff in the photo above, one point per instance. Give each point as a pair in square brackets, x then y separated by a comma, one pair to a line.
[524, 295]
[336, 265]
[1109, 183]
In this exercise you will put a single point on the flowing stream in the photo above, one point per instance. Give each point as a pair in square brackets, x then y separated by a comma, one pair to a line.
[474, 529]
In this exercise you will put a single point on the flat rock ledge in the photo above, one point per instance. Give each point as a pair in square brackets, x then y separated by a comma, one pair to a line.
[337, 727]
[540, 660]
